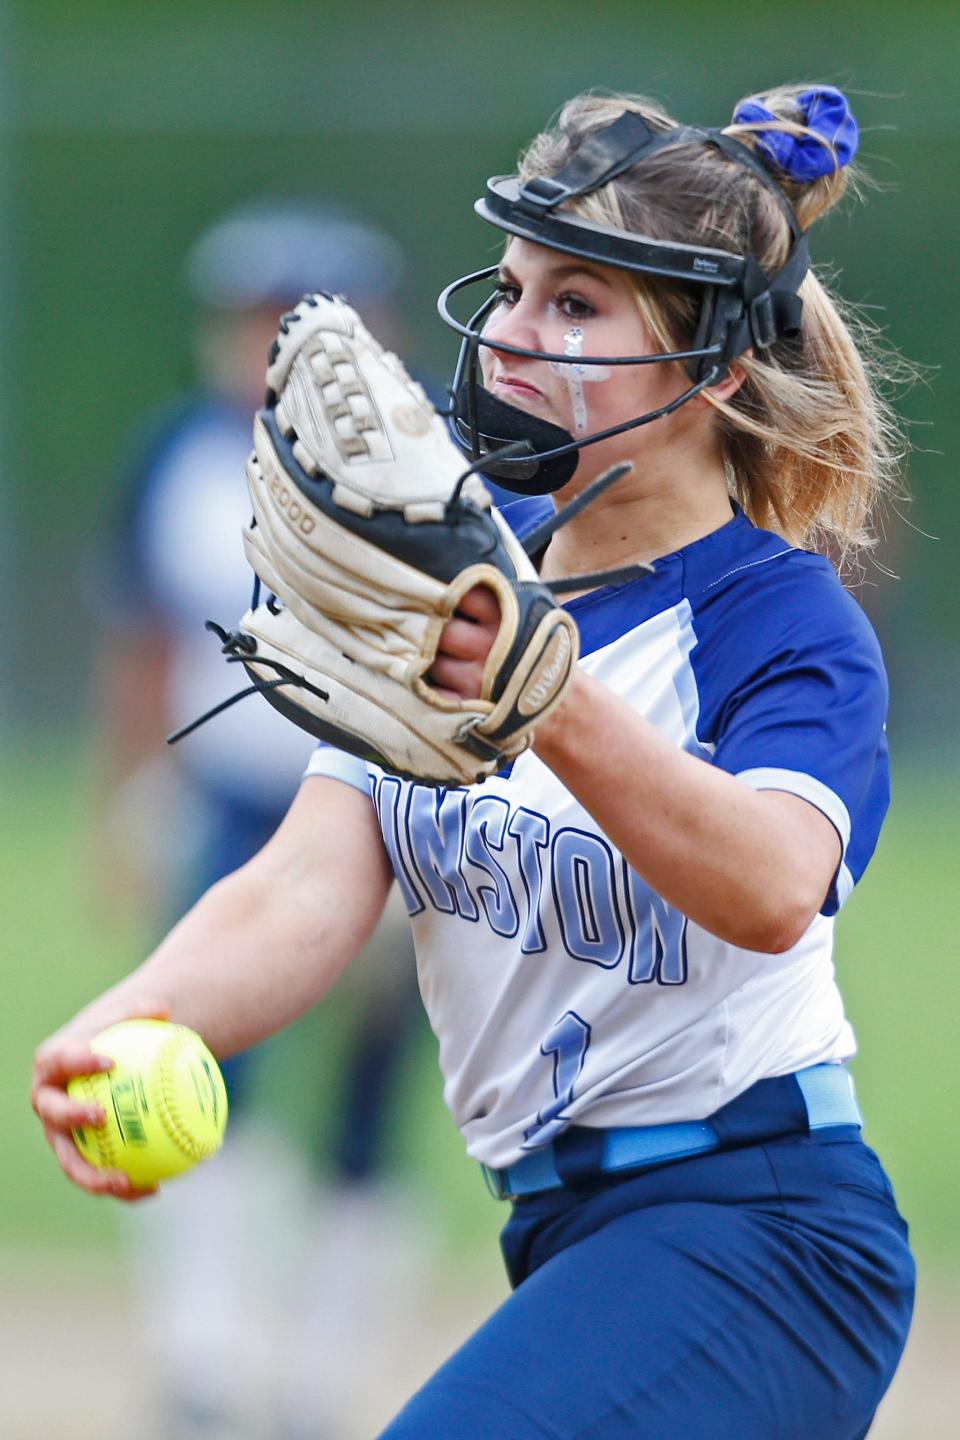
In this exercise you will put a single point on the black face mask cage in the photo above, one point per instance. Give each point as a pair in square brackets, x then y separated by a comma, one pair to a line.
[482, 424]
[742, 307]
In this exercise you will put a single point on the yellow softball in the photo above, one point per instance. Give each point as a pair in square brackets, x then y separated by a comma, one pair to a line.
[165, 1101]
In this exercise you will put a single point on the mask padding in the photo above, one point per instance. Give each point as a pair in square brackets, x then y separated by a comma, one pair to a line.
[499, 425]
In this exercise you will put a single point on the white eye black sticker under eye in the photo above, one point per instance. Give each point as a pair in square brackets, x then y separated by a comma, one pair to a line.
[577, 375]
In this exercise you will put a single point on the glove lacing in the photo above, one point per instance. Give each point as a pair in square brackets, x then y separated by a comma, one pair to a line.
[237, 646]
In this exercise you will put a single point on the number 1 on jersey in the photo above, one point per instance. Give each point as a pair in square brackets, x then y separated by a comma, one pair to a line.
[567, 1043]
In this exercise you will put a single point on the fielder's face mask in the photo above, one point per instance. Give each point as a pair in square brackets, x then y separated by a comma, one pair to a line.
[742, 307]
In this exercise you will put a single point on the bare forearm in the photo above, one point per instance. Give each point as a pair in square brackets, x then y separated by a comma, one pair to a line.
[235, 969]
[267, 942]
[750, 867]
[258, 950]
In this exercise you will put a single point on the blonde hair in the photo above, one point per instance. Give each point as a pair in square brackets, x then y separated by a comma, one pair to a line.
[810, 444]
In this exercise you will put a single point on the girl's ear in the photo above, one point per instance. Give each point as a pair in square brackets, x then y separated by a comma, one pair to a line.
[726, 388]
[731, 382]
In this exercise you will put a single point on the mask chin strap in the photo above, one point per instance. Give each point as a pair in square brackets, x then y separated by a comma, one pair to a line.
[537, 538]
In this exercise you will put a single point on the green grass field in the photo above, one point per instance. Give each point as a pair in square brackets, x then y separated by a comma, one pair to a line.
[896, 958]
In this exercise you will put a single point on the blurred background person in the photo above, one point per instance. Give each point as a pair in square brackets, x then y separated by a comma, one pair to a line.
[175, 559]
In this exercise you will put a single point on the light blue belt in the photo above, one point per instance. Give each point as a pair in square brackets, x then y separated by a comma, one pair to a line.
[828, 1096]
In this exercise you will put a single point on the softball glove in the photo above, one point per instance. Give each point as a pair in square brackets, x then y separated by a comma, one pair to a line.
[365, 536]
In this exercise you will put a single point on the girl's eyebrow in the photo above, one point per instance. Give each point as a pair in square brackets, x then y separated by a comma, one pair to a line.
[561, 272]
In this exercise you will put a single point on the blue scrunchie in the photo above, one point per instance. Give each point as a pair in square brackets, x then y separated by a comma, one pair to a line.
[824, 110]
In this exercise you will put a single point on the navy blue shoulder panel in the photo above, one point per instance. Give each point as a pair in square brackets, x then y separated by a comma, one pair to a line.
[790, 679]
[611, 611]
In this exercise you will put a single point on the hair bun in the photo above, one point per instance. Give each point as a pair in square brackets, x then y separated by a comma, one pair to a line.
[826, 112]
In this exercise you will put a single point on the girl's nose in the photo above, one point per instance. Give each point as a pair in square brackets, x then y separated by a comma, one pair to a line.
[514, 325]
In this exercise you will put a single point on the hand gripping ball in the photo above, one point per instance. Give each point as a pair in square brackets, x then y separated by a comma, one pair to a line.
[165, 1101]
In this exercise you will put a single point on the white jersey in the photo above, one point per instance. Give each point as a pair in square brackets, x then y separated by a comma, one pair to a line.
[562, 989]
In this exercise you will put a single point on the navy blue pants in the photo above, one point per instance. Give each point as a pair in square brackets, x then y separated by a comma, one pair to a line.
[757, 1293]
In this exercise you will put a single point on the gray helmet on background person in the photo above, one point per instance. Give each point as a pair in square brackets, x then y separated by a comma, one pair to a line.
[260, 259]
[269, 252]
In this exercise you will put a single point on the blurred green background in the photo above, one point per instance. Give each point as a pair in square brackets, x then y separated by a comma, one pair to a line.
[125, 128]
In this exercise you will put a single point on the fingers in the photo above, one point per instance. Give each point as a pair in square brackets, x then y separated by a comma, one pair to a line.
[73, 1165]
[58, 1061]
[67, 1054]
[465, 640]
[457, 679]
[464, 645]
[86, 1176]
[62, 1059]
[60, 1111]
[480, 604]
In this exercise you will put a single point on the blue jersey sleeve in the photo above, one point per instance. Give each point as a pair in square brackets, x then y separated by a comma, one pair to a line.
[793, 697]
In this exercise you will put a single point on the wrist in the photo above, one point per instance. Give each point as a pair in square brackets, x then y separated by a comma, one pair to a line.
[555, 736]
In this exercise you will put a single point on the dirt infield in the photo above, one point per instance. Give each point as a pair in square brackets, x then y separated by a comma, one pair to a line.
[72, 1363]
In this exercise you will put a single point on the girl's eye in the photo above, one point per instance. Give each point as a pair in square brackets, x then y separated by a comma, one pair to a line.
[507, 293]
[574, 307]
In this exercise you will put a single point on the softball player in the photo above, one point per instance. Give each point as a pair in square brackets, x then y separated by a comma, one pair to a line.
[624, 938]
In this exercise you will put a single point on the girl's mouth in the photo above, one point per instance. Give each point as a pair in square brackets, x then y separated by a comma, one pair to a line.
[518, 387]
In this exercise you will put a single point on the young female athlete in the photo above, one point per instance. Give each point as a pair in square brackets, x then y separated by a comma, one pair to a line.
[624, 939]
